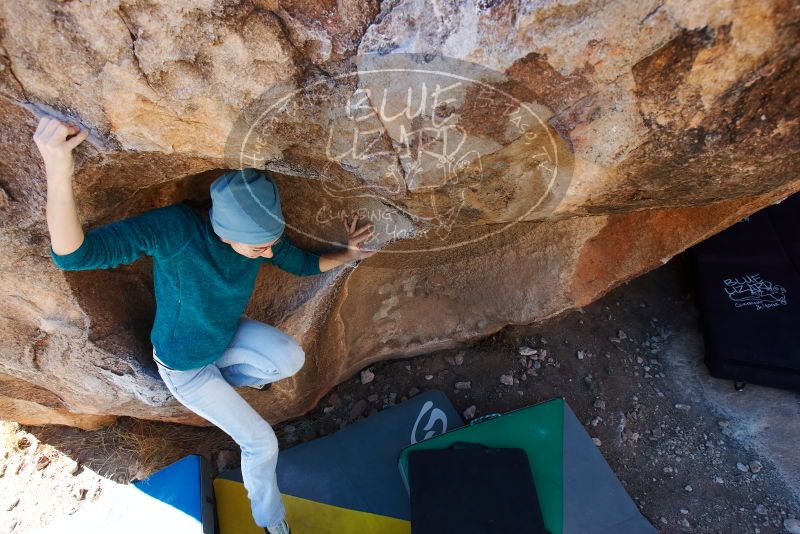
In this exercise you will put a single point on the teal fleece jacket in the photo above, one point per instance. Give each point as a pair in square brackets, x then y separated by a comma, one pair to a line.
[202, 285]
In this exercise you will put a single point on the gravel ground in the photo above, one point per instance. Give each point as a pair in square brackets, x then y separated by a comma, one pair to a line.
[691, 452]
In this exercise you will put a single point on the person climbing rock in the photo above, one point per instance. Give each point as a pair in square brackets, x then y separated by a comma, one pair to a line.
[204, 271]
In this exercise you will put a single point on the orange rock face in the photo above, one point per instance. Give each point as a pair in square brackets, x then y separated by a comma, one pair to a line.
[517, 160]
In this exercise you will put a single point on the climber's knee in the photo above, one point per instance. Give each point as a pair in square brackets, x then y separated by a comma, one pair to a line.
[260, 441]
[295, 358]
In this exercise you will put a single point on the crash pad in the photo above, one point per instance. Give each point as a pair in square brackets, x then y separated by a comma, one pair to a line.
[348, 481]
[578, 491]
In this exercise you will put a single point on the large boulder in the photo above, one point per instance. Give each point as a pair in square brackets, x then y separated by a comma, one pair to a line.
[518, 159]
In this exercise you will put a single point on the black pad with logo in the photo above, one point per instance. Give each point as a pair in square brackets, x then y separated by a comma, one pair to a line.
[748, 286]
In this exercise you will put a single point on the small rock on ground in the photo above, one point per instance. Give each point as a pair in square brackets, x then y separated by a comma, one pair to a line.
[227, 459]
[367, 376]
[792, 525]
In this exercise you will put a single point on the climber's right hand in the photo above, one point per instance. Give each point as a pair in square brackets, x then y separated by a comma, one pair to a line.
[56, 150]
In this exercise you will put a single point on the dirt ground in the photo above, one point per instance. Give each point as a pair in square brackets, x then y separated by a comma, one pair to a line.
[688, 448]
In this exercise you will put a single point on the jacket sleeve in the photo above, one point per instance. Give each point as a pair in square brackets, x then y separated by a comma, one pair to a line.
[161, 231]
[290, 258]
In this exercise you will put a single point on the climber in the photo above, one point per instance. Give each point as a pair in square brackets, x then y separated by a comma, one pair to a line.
[204, 270]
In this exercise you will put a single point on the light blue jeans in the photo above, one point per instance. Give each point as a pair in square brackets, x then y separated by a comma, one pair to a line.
[258, 354]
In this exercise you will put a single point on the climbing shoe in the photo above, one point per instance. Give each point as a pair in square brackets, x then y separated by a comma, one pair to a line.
[280, 528]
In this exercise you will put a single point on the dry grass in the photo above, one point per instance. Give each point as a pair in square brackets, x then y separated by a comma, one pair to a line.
[132, 449]
[8, 436]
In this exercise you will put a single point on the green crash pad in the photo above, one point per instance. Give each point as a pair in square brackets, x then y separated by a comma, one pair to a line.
[578, 491]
